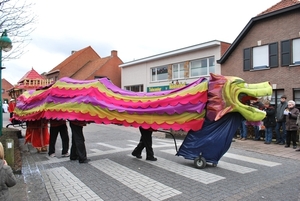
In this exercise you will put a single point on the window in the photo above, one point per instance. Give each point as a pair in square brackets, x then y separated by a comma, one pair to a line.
[159, 73]
[202, 67]
[135, 88]
[290, 52]
[261, 57]
[296, 93]
[177, 71]
[275, 99]
[296, 51]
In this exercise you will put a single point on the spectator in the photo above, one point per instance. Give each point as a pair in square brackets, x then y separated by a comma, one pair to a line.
[259, 105]
[269, 121]
[7, 178]
[5, 107]
[11, 107]
[298, 124]
[280, 121]
[291, 114]
[243, 131]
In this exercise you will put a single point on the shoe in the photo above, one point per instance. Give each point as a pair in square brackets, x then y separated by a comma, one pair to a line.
[256, 139]
[52, 155]
[243, 139]
[85, 161]
[73, 159]
[137, 156]
[44, 149]
[297, 150]
[267, 142]
[277, 142]
[151, 159]
[294, 147]
[286, 146]
[281, 143]
[65, 155]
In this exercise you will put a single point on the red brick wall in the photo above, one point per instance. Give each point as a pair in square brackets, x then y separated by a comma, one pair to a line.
[285, 27]
[111, 69]
[6, 86]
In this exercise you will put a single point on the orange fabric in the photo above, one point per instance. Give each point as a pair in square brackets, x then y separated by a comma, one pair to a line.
[11, 106]
[37, 133]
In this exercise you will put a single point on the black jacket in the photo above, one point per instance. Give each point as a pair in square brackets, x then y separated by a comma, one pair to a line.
[270, 120]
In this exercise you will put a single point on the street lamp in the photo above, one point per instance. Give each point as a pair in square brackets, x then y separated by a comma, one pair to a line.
[5, 45]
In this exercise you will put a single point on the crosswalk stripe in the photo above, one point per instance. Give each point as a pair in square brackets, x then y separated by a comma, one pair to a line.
[109, 146]
[153, 190]
[235, 168]
[61, 184]
[188, 172]
[251, 160]
[224, 165]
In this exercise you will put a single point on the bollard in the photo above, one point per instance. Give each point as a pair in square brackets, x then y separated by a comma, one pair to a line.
[9, 152]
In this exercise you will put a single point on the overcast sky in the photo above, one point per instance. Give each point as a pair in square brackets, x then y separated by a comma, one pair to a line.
[135, 28]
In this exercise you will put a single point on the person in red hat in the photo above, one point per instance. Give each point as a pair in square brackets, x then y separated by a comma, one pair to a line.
[11, 107]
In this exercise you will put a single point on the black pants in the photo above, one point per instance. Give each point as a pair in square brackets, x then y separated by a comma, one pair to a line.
[291, 135]
[63, 130]
[145, 142]
[78, 150]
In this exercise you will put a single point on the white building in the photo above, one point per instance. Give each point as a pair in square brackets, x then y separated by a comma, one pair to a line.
[173, 69]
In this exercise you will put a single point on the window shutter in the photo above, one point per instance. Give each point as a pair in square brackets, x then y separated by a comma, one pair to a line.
[273, 55]
[285, 53]
[247, 59]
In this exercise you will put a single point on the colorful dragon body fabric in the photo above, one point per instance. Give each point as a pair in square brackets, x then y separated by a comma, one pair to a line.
[100, 101]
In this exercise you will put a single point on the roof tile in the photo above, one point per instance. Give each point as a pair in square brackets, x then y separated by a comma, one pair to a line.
[280, 5]
[32, 75]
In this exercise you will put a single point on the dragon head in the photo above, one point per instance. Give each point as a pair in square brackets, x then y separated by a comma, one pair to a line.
[231, 94]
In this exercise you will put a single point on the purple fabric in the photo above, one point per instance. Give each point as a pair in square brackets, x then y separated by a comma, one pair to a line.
[116, 89]
[179, 109]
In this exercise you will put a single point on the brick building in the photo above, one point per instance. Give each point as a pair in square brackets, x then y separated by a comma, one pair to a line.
[268, 49]
[86, 64]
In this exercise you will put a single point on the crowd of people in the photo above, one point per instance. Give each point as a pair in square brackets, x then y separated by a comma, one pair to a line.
[283, 121]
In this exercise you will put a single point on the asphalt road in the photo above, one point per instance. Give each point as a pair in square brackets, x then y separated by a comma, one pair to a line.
[113, 174]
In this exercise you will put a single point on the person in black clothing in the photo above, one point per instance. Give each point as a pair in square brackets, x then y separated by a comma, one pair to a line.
[269, 121]
[280, 121]
[59, 126]
[145, 142]
[78, 150]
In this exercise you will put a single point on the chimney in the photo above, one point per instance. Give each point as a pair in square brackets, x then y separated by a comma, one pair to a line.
[114, 53]
[73, 51]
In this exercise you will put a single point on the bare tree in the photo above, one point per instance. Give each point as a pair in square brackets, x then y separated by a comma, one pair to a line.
[17, 17]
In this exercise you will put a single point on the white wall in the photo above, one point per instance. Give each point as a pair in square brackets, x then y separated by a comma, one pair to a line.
[140, 73]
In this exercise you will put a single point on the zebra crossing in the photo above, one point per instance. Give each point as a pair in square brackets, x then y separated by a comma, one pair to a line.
[144, 185]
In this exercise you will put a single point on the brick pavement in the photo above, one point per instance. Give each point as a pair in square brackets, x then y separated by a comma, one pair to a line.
[34, 183]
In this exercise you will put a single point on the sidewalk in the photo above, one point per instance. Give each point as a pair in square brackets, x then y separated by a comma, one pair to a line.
[30, 185]
[270, 149]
